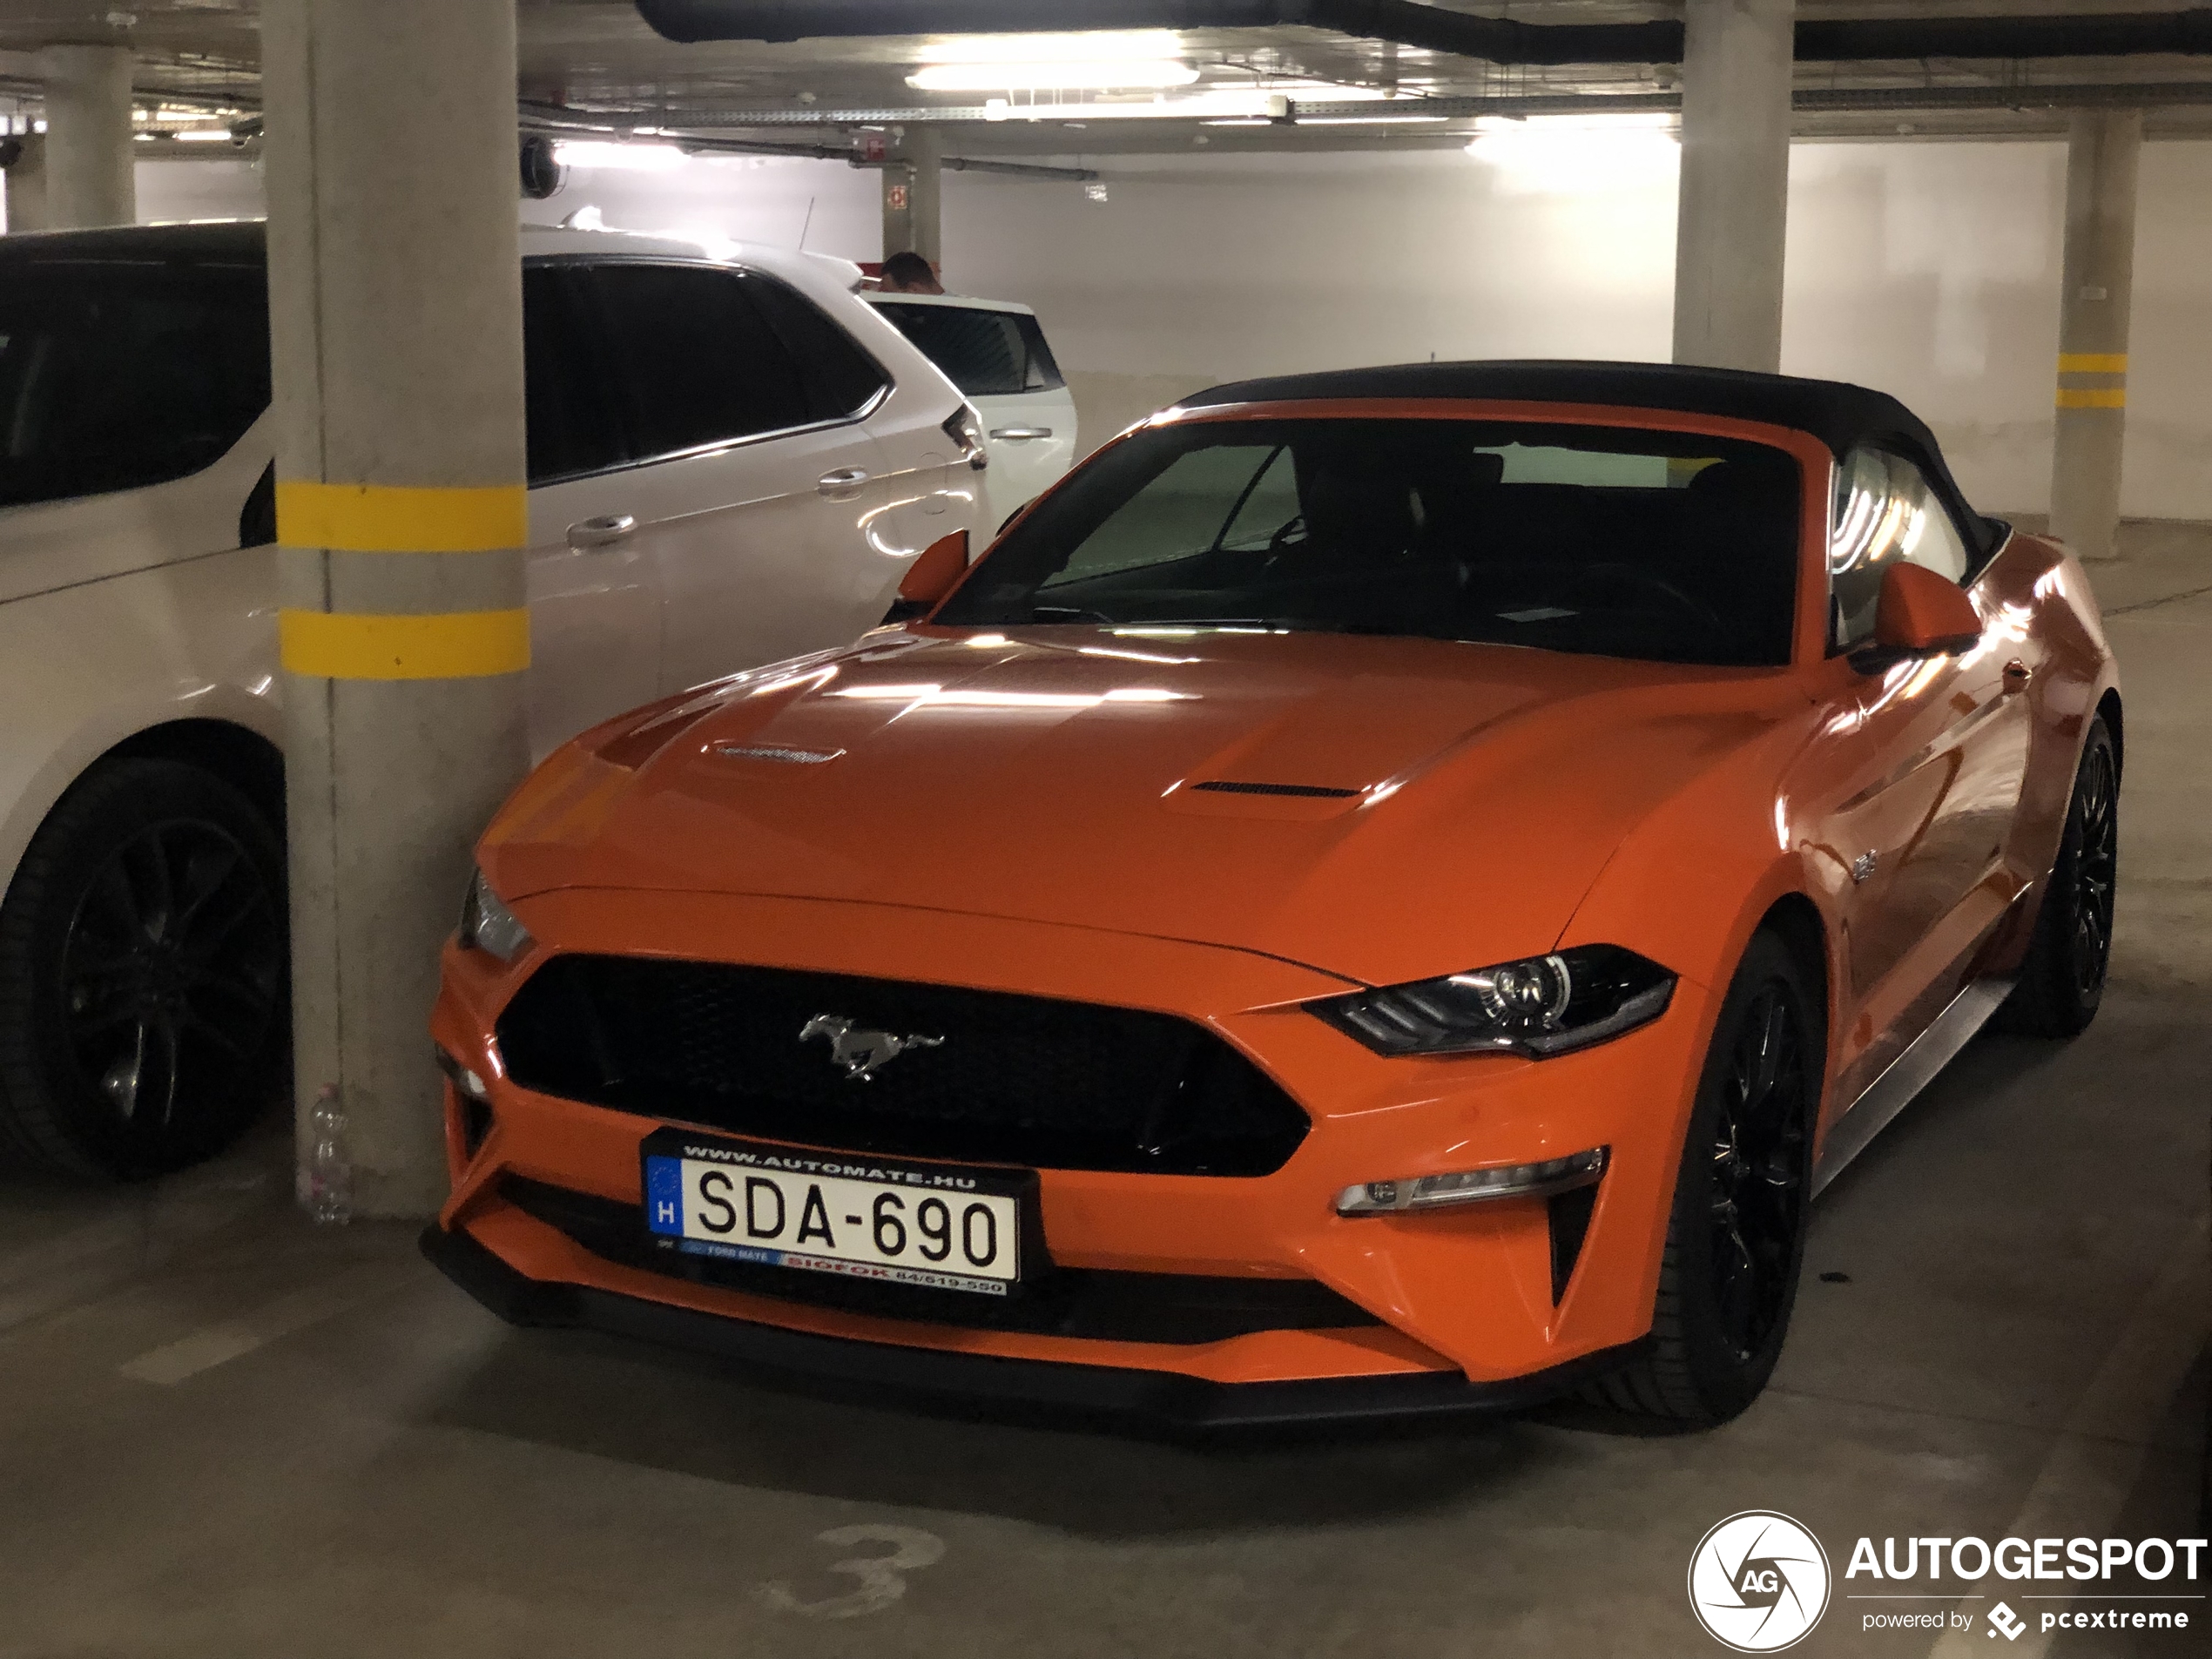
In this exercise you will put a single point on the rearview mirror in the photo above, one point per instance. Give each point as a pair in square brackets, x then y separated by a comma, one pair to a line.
[930, 577]
[1919, 611]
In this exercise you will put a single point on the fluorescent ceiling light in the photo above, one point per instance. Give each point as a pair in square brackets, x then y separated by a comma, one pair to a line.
[1050, 76]
[1248, 104]
[635, 157]
[1631, 121]
[203, 135]
[1123, 43]
[1363, 120]
[1577, 155]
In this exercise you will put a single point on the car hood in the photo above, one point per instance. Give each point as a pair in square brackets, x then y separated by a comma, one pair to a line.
[1394, 808]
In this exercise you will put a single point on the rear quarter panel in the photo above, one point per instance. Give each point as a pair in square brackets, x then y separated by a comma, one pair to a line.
[2035, 587]
[82, 668]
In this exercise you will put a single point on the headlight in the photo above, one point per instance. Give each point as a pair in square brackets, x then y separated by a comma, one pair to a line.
[1538, 1006]
[965, 427]
[487, 925]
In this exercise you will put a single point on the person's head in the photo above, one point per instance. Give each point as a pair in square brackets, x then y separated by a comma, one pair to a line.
[908, 273]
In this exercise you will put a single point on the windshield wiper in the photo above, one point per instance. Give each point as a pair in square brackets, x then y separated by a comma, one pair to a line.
[1066, 613]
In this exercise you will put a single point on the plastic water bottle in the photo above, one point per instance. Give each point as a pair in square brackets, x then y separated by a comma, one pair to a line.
[330, 1170]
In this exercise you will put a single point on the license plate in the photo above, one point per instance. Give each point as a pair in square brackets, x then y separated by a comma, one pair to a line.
[936, 1226]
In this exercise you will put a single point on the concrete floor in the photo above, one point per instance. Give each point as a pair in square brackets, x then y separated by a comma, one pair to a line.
[223, 1433]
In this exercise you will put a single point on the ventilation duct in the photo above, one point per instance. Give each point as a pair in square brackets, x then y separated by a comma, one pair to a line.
[1430, 28]
[1499, 40]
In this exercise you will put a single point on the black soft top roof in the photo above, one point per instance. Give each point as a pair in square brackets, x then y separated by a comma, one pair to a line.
[1839, 414]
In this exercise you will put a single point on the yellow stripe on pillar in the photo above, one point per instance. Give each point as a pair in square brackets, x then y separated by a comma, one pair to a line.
[457, 644]
[394, 518]
[2109, 397]
[2093, 362]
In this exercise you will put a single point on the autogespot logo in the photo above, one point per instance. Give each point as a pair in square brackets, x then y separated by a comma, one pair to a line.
[1759, 1582]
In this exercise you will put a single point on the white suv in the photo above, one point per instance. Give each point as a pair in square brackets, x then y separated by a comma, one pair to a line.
[994, 351]
[731, 460]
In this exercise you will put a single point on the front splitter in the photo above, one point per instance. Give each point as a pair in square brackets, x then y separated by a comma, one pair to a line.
[991, 1384]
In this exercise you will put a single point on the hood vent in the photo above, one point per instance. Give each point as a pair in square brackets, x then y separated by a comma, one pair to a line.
[776, 751]
[1304, 792]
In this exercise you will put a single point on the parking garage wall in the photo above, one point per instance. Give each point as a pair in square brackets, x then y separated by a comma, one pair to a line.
[1930, 270]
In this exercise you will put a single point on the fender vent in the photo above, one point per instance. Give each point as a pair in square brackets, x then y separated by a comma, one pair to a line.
[1569, 1215]
[1309, 792]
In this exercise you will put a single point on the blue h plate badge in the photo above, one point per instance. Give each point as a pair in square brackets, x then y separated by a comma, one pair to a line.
[664, 1196]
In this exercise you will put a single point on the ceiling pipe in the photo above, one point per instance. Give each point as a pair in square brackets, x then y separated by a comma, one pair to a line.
[1805, 100]
[2118, 35]
[555, 122]
[1430, 28]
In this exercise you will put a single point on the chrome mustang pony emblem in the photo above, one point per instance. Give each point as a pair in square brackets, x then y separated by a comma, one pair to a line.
[861, 1052]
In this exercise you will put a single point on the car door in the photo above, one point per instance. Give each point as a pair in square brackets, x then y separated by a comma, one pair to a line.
[754, 493]
[998, 358]
[1944, 752]
[594, 606]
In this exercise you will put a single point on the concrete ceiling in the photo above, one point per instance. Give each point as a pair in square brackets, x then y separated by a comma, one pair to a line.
[597, 59]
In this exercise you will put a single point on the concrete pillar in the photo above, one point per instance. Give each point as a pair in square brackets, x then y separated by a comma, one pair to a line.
[27, 184]
[926, 154]
[395, 325]
[88, 160]
[1734, 202]
[912, 216]
[2102, 149]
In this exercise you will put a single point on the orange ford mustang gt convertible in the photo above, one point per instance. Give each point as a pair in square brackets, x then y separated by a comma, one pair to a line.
[1383, 892]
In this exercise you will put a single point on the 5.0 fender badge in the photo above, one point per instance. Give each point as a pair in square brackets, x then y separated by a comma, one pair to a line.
[861, 1052]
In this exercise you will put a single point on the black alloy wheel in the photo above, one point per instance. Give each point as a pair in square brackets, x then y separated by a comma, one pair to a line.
[1758, 1190]
[2062, 978]
[2096, 868]
[1736, 1238]
[143, 973]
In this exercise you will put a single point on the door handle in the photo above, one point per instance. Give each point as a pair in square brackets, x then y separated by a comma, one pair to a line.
[2017, 674]
[586, 535]
[842, 482]
[1021, 433]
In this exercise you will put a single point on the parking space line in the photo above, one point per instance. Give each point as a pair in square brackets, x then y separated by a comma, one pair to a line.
[216, 1344]
[97, 1256]
[2100, 1453]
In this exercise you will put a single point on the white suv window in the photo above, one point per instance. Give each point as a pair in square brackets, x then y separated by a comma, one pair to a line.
[701, 365]
[1885, 511]
[114, 376]
[985, 354]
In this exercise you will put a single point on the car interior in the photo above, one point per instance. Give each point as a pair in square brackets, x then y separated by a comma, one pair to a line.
[1608, 541]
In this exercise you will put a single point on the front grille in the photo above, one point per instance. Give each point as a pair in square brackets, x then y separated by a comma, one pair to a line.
[1026, 1080]
[1178, 1308]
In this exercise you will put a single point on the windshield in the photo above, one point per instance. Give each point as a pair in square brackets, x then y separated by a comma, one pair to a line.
[1610, 541]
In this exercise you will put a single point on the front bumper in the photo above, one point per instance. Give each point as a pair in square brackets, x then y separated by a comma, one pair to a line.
[1467, 1297]
[871, 1371]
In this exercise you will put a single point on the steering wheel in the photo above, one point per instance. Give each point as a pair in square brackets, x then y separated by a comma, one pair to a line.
[1594, 578]
[1279, 545]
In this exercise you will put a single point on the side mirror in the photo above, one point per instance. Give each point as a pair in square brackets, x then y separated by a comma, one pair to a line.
[1919, 611]
[930, 577]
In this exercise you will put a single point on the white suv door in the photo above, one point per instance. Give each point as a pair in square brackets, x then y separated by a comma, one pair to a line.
[994, 351]
[594, 598]
[759, 481]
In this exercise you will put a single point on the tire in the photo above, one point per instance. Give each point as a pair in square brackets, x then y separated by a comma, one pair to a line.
[1736, 1238]
[2062, 980]
[144, 987]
